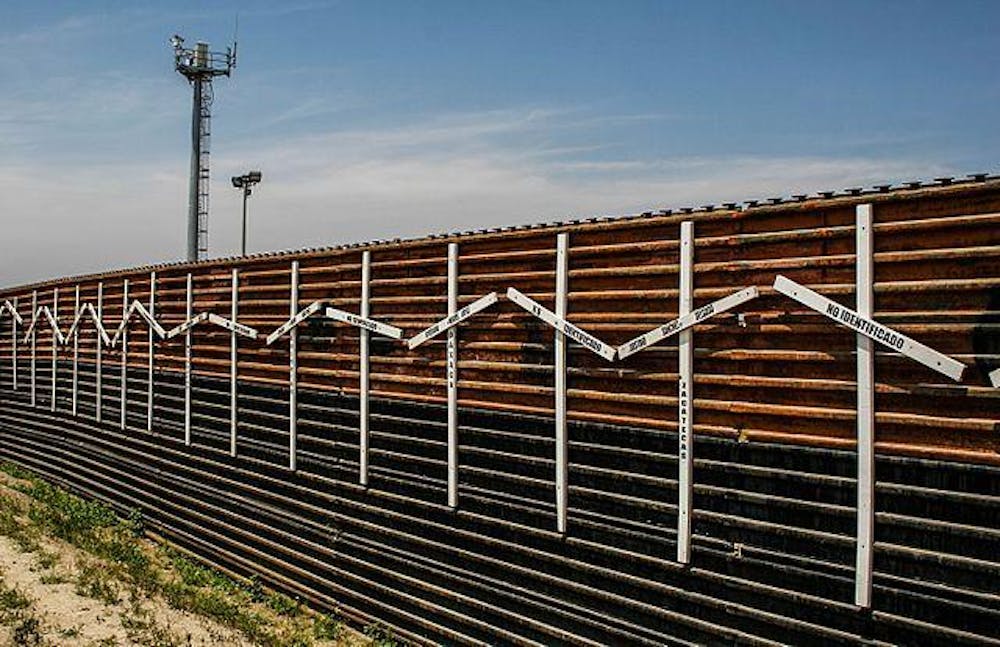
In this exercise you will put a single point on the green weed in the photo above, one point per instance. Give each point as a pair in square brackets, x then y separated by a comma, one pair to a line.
[53, 578]
[96, 581]
[141, 628]
[17, 610]
[263, 617]
[327, 627]
[46, 559]
[12, 601]
[15, 470]
[380, 635]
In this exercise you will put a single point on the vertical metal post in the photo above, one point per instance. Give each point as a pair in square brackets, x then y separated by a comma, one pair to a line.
[152, 354]
[34, 347]
[55, 346]
[76, 350]
[452, 361]
[123, 388]
[13, 344]
[293, 364]
[364, 368]
[233, 358]
[562, 435]
[864, 277]
[187, 362]
[99, 377]
[246, 193]
[685, 397]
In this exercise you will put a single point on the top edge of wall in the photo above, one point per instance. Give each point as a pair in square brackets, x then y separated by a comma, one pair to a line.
[916, 189]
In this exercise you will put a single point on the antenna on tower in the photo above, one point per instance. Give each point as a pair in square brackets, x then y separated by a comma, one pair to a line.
[236, 37]
[199, 66]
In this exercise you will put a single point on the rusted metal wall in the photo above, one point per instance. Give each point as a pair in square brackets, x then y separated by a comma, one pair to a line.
[774, 512]
[787, 376]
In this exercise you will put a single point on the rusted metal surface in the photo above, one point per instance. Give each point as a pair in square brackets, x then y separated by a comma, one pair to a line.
[774, 483]
[784, 375]
[773, 546]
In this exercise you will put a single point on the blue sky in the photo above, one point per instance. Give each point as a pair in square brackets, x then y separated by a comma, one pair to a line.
[383, 119]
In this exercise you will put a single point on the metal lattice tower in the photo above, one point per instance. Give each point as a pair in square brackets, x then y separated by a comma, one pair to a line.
[199, 66]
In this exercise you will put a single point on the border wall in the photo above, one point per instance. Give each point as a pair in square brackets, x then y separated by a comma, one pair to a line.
[366, 522]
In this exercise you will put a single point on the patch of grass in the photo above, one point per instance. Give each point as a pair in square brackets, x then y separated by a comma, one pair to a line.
[54, 577]
[327, 627]
[282, 604]
[70, 632]
[15, 470]
[66, 516]
[126, 561]
[141, 628]
[189, 572]
[12, 601]
[27, 631]
[17, 610]
[46, 559]
[380, 635]
[96, 581]
[14, 525]
[27, 539]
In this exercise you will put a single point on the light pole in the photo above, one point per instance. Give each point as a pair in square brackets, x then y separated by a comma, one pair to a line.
[246, 182]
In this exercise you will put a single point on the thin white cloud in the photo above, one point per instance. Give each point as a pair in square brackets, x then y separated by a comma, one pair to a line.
[455, 172]
[14, 42]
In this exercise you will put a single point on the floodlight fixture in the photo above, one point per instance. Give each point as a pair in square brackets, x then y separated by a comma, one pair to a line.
[246, 182]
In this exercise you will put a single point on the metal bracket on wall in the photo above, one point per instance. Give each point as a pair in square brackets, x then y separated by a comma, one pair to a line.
[34, 347]
[864, 287]
[74, 333]
[188, 312]
[150, 348]
[55, 348]
[99, 369]
[364, 371]
[235, 329]
[564, 329]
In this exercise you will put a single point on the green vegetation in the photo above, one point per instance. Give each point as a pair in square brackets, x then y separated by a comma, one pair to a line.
[379, 635]
[125, 566]
[17, 610]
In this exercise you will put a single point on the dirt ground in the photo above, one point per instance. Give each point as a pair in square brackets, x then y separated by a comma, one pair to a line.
[73, 573]
[69, 618]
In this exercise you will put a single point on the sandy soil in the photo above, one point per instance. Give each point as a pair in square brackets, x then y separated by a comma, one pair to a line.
[68, 618]
[74, 598]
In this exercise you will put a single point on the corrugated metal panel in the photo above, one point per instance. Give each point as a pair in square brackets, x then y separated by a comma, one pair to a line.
[774, 482]
[786, 376]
